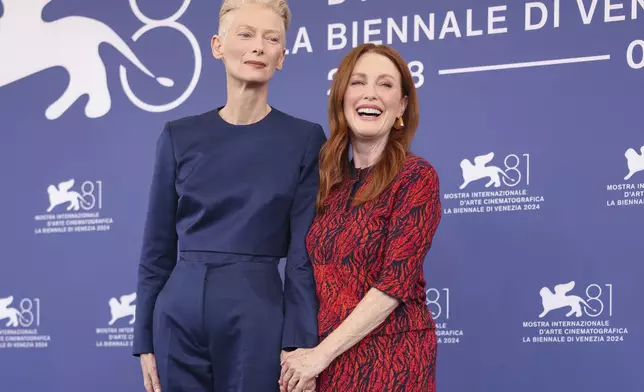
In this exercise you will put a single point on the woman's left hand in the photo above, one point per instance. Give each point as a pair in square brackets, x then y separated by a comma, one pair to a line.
[299, 368]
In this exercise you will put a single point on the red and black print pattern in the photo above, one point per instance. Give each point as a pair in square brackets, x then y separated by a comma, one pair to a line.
[380, 244]
[404, 362]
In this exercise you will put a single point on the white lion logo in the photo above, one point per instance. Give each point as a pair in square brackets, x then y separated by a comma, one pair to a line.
[122, 307]
[634, 161]
[478, 170]
[62, 194]
[551, 301]
[72, 43]
[12, 314]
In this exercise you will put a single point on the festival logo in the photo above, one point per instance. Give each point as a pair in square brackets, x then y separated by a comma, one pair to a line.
[567, 317]
[630, 192]
[122, 316]
[487, 186]
[19, 323]
[73, 43]
[438, 302]
[72, 211]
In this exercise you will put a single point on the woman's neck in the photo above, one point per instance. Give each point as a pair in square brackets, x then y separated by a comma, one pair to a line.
[367, 152]
[245, 103]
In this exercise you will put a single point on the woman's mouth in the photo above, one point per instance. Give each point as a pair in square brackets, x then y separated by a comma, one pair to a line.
[369, 112]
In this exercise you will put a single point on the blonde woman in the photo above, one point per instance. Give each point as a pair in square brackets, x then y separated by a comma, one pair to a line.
[233, 191]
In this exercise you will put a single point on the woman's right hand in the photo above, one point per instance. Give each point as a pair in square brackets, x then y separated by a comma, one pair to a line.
[150, 375]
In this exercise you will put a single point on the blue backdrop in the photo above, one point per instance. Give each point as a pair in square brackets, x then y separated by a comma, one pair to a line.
[529, 112]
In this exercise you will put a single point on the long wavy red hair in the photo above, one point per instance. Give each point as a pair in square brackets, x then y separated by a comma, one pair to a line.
[334, 155]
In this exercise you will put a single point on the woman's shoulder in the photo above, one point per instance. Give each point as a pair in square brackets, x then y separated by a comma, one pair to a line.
[416, 168]
[308, 133]
[296, 123]
[417, 180]
[193, 120]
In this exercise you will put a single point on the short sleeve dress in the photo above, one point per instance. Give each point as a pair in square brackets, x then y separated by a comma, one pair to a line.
[380, 244]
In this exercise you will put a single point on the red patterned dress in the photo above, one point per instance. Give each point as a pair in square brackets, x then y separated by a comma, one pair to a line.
[379, 244]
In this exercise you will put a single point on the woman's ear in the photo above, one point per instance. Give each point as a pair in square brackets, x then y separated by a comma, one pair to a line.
[403, 105]
[216, 47]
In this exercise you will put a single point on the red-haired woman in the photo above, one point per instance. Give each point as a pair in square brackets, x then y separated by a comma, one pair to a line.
[377, 214]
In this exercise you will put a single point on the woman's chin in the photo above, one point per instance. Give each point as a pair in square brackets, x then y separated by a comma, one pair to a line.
[369, 131]
[254, 78]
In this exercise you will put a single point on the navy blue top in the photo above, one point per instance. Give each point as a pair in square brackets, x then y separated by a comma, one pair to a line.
[243, 189]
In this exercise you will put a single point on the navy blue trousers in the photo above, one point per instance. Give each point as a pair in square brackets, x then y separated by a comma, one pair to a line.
[218, 325]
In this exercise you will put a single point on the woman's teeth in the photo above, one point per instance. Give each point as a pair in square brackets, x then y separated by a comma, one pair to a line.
[369, 112]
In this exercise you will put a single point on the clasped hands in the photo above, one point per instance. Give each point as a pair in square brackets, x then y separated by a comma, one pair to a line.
[300, 369]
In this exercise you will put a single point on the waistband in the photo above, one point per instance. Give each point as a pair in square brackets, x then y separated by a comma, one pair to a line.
[219, 258]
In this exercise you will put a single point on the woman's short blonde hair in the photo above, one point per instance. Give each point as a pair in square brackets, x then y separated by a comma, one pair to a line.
[279, 6]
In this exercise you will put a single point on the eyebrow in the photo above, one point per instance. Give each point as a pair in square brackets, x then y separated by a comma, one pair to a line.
[254, 29]
[364, 76]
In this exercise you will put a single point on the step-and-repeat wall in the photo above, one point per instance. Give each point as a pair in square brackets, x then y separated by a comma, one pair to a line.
[530, 111]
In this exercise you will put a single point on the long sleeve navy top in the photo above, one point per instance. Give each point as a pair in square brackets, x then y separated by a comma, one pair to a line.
[244, 189]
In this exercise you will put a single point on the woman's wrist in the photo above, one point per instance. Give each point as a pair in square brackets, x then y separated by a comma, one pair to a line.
[326, 352]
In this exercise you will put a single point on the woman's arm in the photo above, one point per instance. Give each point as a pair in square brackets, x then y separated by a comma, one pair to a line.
[159, 249]
[371, 311]
[300, 301]
[158, 254]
